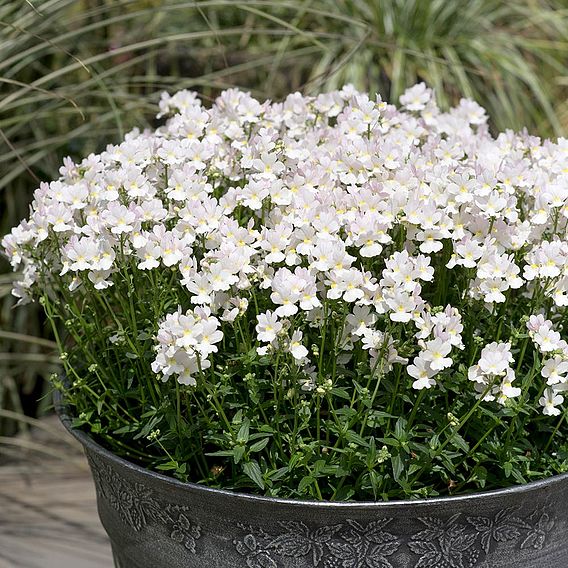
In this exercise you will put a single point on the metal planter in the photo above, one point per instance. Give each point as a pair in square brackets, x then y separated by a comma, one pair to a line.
[154, 521]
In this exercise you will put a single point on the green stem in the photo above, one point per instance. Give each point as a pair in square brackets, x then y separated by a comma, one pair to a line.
[460, 425]
[415, 408]
[555, 431]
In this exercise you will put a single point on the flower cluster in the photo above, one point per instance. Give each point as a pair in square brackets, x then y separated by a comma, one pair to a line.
[185, 342]
[555, 368]
[327, 204]
[495, 363]
[334, 262]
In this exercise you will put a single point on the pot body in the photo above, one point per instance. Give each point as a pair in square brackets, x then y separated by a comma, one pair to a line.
[154, 522]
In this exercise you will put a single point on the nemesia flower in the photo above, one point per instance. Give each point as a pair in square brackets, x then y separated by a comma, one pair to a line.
[298, 351]
[550, 402]
[268, 327]
[555, 370]
[280, 225]
[416, 97]
[495, 358]
[422, 372]
[435, 352]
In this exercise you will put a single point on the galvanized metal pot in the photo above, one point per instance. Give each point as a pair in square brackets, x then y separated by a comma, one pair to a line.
[154, 521]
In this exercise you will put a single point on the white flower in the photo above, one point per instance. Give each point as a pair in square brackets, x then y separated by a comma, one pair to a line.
[492, 290]
[268, 326]
[429, 241]
[435, 354]
[298, 351]
[373, 339]
[495, 358]
[100, 279]
[361, 319]
[268, 165]
[549, 401]
[254, 193]
[119, 218]
[547, 339]
[351, 283]
[150, 255]
[200, 286]
[402, 307]
[422, 372]
[60, 217]
[188, 331]
[469, 251]
[507, 388]
[220, 276]
[82, 252]
[208, 337]
[475, 375]
[171, 249]
[416, 97]
[555, 370]
[285, 294]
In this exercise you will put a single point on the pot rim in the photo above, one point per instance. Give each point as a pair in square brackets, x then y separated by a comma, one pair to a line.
[89, 443]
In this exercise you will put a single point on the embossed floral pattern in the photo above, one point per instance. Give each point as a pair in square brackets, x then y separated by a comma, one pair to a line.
[365, 546]
[185, 532]
[503, 527]
[347, 545]
[444, 544]
[459, 541]
[137, 507]
[540, 526]
[255, 555]
[298, 540]
[454, 544]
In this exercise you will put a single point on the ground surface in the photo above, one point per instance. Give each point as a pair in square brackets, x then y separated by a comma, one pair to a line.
[48, 516]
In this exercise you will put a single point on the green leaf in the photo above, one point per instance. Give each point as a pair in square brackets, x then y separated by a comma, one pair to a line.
[279, 473]
[434, 441]
[243, 435]
[238, 453]
[340, 393]
[305, 482]
[400, 429]
[260, 445]
[148, 427]
[257, 436]
[221, 453]
[414, 468]
[379, 414]
[354, 438]
[168, 466]
[459, 442]
[252, 470]
[371, 454]
[397, 467]
[126, 429]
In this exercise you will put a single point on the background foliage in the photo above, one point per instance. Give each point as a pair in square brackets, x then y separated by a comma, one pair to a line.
[76, 75]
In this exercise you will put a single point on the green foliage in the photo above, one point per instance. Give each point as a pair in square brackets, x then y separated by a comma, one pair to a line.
[248, 425]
